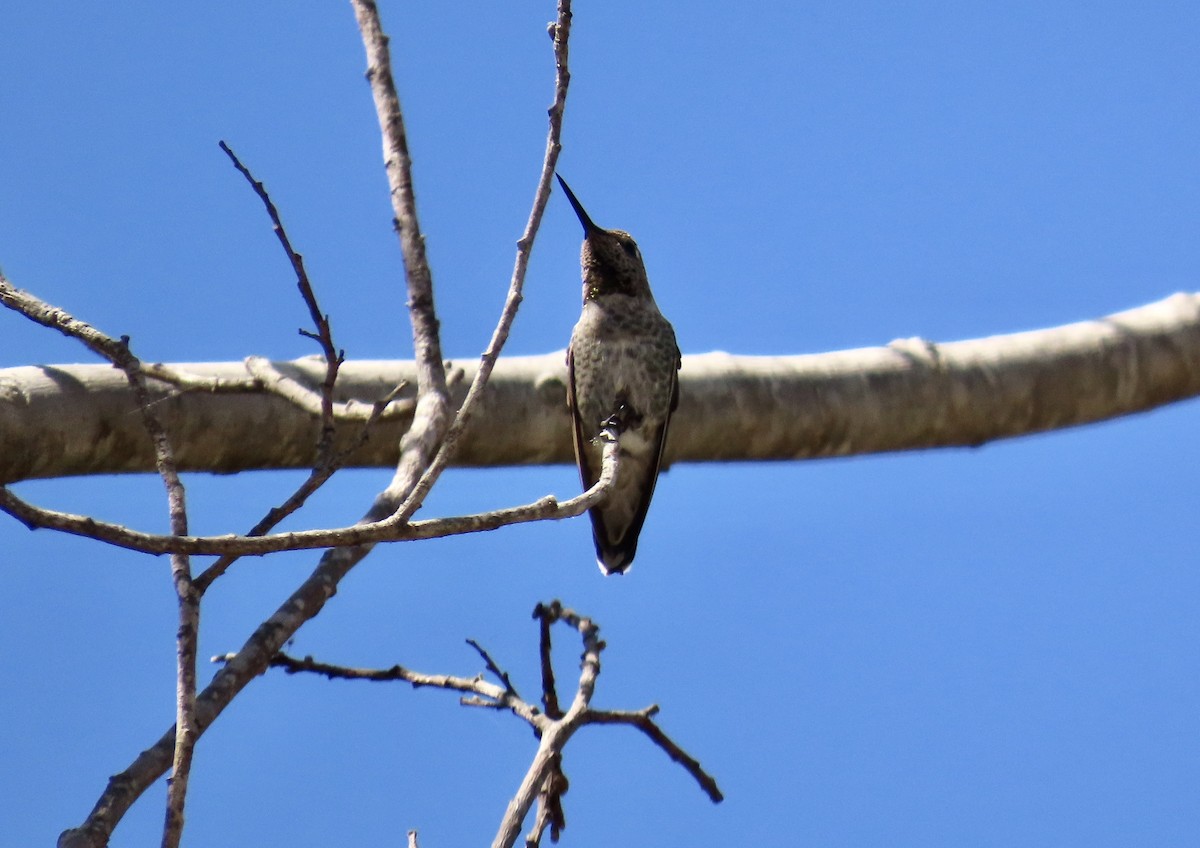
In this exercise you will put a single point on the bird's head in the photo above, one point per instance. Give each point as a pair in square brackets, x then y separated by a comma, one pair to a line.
[611, 261]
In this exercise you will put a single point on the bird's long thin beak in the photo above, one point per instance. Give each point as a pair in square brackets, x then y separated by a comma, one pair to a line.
[588, 226]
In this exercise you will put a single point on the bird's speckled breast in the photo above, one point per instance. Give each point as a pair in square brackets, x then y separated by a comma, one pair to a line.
[630, 352]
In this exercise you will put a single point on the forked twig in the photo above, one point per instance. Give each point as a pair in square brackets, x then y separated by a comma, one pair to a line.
[327, 461]
[545, 782]
[494, 668]
[324, 333]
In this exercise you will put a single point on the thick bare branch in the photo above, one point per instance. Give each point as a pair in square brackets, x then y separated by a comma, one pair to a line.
[75, 419]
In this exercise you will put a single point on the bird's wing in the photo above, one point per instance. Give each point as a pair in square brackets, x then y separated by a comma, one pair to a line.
[675, 382]
[610, 552]
[618, 553]
[587, 475]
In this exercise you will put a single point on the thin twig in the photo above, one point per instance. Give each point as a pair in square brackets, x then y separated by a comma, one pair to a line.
[264, 376]
[297, 499]
[547, 508]
[549, 688]
[324, 333]
[271, 379]
[189, 382]
[188, 601]
[489, 694]
[495, 669]
[643, 721]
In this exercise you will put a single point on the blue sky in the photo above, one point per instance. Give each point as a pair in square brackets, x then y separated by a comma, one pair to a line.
[971, 647]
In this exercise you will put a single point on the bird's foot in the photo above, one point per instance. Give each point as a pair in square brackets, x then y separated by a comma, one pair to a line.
[624, 418]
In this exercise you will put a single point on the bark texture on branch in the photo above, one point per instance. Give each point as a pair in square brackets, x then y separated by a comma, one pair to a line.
[63, 420]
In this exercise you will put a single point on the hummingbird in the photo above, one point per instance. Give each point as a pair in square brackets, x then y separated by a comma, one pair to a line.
[622, 371]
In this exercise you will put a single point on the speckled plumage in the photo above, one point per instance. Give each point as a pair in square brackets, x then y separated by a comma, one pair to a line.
[623, 360]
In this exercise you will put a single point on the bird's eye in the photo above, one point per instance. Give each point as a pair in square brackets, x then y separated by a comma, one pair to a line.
[630, 247]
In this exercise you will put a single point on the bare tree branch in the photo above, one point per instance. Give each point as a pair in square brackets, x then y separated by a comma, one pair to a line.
[321, 402]
[271, 379]
[79, 419]
[189, 382]
[494, 668]
[550, 812]
[545, 780]
[549, 689]
[389, 529]
[489, 694]
[264, 376]
[432, 414]
[323, 333]
[557, 734]
[643, 720]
